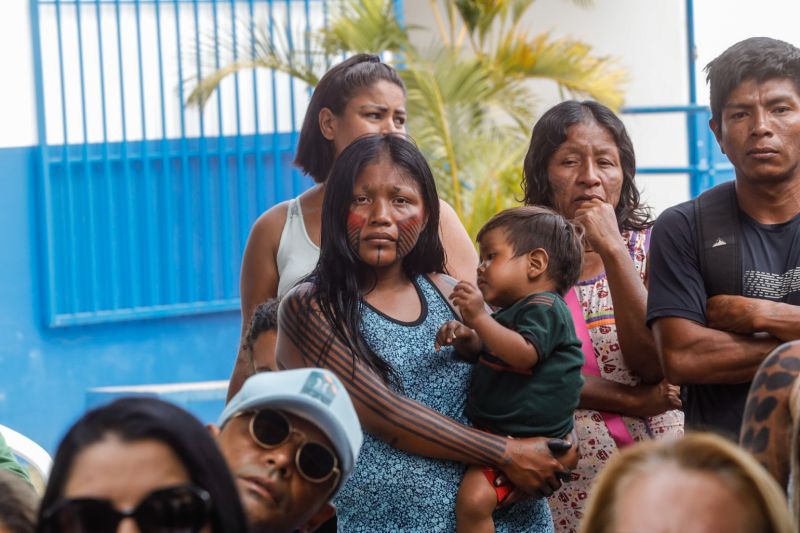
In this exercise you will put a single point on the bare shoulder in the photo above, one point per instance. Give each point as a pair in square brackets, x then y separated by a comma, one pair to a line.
[269, 225]
[446, 208]
[460, 253]
[444, 283]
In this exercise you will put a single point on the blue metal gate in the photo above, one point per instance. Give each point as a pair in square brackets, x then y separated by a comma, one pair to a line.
[146, 204]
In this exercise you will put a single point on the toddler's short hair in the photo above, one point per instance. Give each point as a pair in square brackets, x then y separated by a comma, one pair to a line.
[529, 227]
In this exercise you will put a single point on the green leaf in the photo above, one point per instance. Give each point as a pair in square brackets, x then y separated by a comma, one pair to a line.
[470, 104]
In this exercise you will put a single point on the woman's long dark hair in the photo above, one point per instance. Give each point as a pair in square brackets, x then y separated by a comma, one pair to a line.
[550, 132]
[139, 418]
[340, 275]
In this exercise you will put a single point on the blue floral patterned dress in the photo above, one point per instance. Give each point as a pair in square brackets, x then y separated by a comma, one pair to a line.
[391, 490]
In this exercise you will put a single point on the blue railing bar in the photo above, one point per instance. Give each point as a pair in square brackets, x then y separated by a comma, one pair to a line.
[691, 123]
[240, 168]
[205, 195]
[134, 287]
[691, 51]
[191, 147]
[91, 244]
[259, 178]
[241, 176]
[664, 170]
[276, 166]
[188, 247]
[139, 313]
[169, 266]
[152, 284]
[53, 2]
[111, 232]
[688, 169]
[307, 40]
[45, 198]
[325, 18]
[692, 108]
[68, 286]
[292, 102]
[224, 179]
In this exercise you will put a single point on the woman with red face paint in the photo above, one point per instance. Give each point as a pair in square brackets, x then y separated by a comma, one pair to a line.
[370, 312]
[359, 96]
[581, 163]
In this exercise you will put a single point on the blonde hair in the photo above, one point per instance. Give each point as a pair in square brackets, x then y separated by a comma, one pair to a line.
[700, 452]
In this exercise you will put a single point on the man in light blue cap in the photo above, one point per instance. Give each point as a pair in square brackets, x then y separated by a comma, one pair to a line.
[291, 440]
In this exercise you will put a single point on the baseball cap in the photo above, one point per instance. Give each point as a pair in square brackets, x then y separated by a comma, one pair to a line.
[314, 394]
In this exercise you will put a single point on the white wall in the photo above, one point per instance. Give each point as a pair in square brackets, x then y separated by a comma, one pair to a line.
[17, 94]
[720, 23]
[649, 40]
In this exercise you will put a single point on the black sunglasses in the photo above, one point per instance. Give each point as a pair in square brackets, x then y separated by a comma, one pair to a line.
[179, 509]
[315, 461]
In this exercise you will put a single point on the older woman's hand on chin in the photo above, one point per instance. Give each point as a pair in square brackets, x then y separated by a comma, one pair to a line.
[599, 223]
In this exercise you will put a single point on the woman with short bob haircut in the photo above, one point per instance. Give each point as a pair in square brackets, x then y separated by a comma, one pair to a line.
[699, 483]
[147, 446]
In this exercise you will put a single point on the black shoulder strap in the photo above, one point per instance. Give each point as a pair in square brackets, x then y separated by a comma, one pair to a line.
[717, 218]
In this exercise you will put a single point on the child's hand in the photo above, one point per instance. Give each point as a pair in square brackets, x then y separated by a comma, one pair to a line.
[469, 300]
[455, 333]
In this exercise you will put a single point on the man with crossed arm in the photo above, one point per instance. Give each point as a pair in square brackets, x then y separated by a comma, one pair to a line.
[713, 346]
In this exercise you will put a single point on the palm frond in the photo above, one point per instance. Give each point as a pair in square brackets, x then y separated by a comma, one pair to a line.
[568, 62]
[364, 26]
[470, 110]
[270, 49]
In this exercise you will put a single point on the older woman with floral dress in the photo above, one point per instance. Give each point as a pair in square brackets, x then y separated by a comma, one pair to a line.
[581, 163]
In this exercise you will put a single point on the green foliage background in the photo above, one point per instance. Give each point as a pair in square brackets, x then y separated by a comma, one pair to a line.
[471, 105]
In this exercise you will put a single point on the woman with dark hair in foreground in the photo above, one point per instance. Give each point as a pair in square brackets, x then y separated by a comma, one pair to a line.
[144, 460]
[370, 314]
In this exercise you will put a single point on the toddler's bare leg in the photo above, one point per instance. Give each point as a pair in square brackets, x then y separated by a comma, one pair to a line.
[475, 503]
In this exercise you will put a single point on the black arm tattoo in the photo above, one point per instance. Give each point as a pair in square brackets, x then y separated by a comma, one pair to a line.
[312, 336]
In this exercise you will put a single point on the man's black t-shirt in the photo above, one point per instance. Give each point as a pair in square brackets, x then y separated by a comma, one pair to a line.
[770, 255]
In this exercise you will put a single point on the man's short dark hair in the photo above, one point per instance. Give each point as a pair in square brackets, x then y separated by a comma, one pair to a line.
[759, 59]
[530, 227]
[265, 318]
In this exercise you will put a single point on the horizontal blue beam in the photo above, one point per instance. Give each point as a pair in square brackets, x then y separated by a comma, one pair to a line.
[139, 313]
[145, 2]
[696, 108]
[172, 148]
[719, 167]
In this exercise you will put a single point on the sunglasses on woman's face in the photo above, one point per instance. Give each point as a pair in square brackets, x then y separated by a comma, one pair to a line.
[315, 461]
[179, 509]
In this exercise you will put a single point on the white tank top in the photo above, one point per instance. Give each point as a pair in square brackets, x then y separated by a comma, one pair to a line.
[297, 254]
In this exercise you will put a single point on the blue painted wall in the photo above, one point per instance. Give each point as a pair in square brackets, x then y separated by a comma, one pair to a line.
[45, 373]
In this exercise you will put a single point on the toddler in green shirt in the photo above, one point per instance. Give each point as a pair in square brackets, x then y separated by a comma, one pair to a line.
[527, 379]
